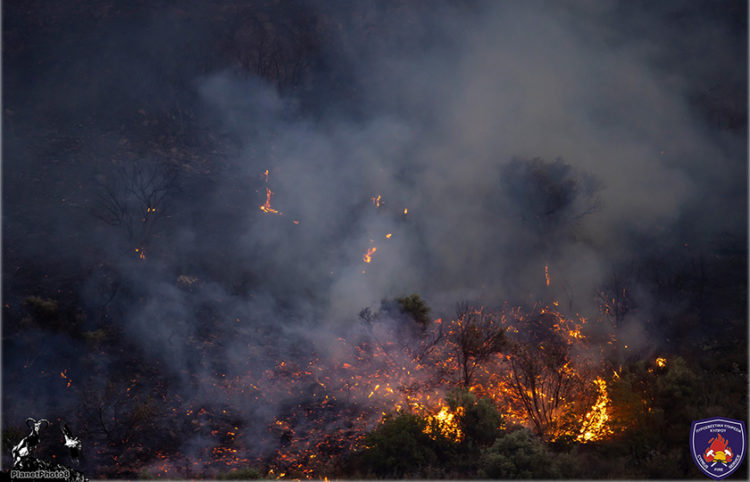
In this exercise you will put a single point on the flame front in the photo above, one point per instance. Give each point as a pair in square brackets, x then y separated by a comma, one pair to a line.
[595, 423]
[349, 394]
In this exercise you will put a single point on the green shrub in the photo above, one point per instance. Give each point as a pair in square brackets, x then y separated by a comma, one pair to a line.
[400, 448]
[415, 307]
[516, 454]
[248, 473]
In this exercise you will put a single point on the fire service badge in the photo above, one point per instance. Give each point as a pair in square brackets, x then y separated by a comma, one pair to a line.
[718, 445]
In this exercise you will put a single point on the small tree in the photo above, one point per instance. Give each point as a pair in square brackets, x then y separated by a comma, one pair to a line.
[616, 301]
[516, 454]
[134, 198]
[479, 419]
[416, 308]
[542, 376]
[474, 336]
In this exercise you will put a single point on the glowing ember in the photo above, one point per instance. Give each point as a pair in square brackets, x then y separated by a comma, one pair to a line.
[141, 253]
[595, 423]
[388, 236]
[661, 362]
[63, 375]
[376, 200]
[368, 256]
[546, 273]
[406, 211]
[576, 333]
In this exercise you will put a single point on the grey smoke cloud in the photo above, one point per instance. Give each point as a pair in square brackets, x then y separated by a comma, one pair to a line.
[514, 82]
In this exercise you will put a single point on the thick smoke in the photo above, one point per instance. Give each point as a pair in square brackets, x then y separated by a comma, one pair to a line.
[501, 137]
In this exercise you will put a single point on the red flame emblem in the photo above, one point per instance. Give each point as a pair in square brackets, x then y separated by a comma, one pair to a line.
[718, 450]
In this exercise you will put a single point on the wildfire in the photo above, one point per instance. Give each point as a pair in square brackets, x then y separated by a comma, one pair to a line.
[661, 362]
[369, 379]
[595, 423]
[368, 256]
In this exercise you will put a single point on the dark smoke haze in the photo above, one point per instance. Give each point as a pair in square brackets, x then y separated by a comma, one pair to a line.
[595, 138]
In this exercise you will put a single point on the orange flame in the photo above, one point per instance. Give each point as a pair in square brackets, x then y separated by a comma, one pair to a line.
[445, 423]
[595, 423]
[266, 207]
[575, 333]
[368, 256]
[63, 375]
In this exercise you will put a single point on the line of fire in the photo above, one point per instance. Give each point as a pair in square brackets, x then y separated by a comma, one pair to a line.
[537, 370]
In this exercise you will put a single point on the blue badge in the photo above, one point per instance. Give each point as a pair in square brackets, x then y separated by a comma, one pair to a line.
[718, 445]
